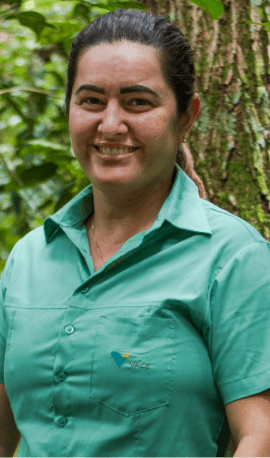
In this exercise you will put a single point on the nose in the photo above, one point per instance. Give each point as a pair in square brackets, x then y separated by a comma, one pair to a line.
[112, 120]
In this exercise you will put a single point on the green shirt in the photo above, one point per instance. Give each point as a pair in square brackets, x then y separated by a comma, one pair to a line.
[138, 358]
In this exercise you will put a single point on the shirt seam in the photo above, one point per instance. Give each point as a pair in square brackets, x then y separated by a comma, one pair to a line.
[245, 378]
[235, 218]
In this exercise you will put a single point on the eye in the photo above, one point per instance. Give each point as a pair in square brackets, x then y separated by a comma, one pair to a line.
[90, 100]
[143, 102]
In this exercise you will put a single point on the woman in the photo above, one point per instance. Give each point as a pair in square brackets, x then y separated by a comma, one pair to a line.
[135, 322]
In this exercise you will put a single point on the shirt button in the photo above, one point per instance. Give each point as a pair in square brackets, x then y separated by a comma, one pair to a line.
[61, 376]
[61, 422]
[85, 290]
[69, 329]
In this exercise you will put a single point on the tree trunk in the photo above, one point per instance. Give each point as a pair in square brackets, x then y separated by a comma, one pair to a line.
[230, 141]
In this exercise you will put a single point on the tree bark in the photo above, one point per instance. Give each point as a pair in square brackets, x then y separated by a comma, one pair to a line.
[230, 141]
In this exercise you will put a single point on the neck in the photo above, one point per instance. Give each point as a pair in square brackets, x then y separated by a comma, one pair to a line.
[117, 218]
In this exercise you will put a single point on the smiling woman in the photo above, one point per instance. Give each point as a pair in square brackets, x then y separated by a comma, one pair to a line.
[150, 304]
[125, 131]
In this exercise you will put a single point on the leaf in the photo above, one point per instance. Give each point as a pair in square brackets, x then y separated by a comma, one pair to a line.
[66, 195]
[16, 201]
[214, 7]
[81, 10]
[37, 174]
[63, 31]
[30, 177]
[41, 101]
[125, 4]
[36, 145]
[58, 77]
[52, 151]
[264, 24]
[33, 20]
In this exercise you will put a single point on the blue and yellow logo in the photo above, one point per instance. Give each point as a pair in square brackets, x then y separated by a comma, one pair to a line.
[119, 359]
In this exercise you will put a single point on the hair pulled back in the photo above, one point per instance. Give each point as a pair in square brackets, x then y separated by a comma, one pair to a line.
[175, 55]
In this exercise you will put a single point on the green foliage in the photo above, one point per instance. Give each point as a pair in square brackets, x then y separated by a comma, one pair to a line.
[33, 20]
[38, 170]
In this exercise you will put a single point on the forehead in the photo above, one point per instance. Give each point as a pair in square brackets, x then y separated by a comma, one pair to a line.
[123, 61]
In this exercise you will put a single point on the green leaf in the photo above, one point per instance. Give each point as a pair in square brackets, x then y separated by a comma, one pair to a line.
[125, 4]
[58, 77]
[37, 145]
[51, 151]
[33, 20]
[214, 7]
[63, 33]
[81, 10]
[66, 195]
[264, 24]
[37, 174]
[41, 101]
[16, 201]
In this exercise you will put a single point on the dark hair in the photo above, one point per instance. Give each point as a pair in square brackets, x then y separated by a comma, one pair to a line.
[173, 49]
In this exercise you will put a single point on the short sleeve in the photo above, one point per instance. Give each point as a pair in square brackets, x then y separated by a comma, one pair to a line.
[239, 337]
[3, 325]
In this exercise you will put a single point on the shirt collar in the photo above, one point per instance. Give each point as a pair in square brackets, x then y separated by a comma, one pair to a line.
[183, 208]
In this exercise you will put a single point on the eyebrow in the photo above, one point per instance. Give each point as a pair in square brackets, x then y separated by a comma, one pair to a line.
[123, 90]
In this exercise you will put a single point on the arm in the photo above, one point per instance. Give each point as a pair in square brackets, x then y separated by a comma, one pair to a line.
[252, 446]
[249, 421]
[9, 434]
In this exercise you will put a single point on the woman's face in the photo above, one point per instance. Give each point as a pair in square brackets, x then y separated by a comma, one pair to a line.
[114, 114]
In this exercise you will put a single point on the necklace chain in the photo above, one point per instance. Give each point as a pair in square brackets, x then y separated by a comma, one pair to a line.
[95, 240]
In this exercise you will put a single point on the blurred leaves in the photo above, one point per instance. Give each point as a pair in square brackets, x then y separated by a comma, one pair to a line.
[33, 20]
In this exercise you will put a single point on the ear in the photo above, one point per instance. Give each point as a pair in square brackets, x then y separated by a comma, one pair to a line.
[190, 117]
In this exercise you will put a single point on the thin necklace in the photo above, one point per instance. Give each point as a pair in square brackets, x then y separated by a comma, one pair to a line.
[95, 239]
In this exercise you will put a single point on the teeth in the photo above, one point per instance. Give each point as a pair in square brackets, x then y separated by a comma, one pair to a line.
[115, 151]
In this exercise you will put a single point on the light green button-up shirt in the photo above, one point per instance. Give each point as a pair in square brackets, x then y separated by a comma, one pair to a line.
[138, 358]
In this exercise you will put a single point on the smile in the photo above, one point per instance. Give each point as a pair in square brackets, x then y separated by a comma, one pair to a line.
[115, 151]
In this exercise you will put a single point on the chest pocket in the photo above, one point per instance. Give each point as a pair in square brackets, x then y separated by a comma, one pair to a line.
[132, 363]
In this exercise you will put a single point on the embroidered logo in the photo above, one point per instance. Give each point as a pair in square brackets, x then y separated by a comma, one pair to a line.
[139, 364]
[119, 359]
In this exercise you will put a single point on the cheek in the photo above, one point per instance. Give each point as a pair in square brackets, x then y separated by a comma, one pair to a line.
[79, 125]
[157, 128]
[150, 126]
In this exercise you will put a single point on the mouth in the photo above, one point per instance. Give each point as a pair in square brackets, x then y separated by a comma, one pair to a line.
[115, 151]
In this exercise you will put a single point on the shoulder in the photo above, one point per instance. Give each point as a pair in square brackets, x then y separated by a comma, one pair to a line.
[32, 242]
[233, 242]
[230, 227]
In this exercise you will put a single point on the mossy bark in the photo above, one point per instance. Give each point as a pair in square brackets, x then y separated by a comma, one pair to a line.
[230, 141]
